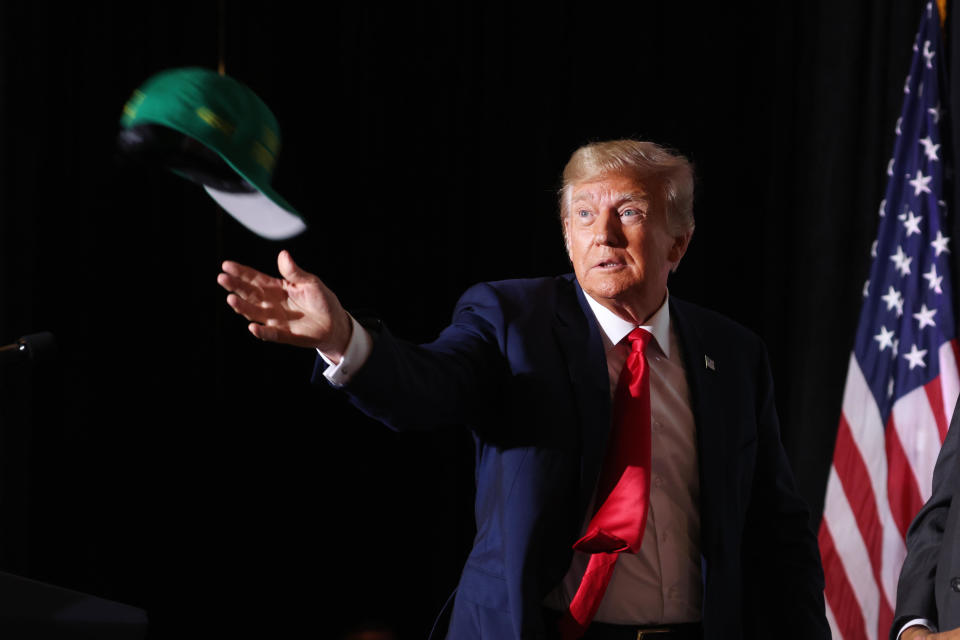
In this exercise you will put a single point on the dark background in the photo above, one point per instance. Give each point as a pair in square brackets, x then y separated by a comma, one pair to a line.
[168, 460]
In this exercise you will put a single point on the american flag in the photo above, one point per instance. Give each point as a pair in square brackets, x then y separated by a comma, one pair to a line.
[902, 383]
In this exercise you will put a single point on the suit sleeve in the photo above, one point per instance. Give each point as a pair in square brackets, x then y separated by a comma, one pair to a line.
[783, 575]
[916, 589]
[452, 380]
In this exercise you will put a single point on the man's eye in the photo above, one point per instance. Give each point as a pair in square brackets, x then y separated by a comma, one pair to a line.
[583, 213]
[632, 214]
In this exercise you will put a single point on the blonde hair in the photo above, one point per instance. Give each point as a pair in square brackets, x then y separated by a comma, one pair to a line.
[667, 175]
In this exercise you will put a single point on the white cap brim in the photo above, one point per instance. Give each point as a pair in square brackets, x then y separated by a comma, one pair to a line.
[259, 213]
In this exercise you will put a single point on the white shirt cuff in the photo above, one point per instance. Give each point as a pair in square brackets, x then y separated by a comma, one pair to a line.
[923, 622]
[357, 352]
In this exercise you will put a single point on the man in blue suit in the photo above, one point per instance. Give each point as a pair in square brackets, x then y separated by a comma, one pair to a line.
[533, 367]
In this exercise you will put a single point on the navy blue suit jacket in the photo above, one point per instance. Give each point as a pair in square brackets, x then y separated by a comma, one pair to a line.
[523, 366]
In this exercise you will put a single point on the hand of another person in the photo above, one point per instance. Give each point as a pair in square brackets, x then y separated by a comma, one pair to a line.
[917, 632]
[296, 308]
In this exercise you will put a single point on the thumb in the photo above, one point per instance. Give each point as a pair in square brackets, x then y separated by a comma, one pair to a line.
[289, 269]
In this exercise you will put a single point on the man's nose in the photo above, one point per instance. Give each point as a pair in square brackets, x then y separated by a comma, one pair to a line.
[608, 229]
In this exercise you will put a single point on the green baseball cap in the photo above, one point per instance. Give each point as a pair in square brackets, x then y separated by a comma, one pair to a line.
[215, 131]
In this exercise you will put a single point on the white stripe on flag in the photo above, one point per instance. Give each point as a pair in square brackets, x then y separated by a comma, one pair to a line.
[917, 428]
[851, 550]
[863, 416]
[949, 385]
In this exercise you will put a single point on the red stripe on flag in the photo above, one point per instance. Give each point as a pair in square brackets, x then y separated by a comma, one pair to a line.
[935, 396]
[838, 592]
[902, 490]
[855, 480]
[884, 617]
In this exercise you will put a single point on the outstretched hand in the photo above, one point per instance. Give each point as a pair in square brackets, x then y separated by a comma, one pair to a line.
[296, 308]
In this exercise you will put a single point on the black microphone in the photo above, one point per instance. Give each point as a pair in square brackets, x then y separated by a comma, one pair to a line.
[35, 347]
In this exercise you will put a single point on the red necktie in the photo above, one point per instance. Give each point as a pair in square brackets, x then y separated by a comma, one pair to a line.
[624, 488]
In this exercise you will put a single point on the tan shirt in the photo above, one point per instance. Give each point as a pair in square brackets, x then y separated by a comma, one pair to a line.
[661, 583]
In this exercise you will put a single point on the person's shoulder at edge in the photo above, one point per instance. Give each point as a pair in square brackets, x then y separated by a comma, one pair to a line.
[515, 295]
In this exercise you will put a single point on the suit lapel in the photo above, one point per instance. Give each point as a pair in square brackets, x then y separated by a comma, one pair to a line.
[704, 381]
[579, 339]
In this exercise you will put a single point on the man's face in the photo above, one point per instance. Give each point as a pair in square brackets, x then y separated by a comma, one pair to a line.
[621, 246]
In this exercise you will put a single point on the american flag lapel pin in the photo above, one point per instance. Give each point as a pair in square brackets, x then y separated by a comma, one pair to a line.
[708, 363]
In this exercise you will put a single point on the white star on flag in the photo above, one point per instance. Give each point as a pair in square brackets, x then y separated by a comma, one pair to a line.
[885, 338]
[915, 357]
[929, 148]
[873, 249]
[925, 317]
[928, 54]
[894, 299]
[920, 183]
[912, 223]
[901, 261]
[890, 167]
[896, 348]
[933, 279]
[940, 244]
[936, 112]
[883, 207]
[866, 288]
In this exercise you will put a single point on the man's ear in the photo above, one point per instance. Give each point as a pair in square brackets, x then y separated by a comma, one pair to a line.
[679, 248]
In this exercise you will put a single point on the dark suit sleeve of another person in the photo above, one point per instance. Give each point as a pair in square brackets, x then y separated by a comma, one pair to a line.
[933, 548]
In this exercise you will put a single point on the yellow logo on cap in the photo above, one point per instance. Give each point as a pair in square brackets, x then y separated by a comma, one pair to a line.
[263, 157]
[130, 109]
[215, 121]
[270, 140]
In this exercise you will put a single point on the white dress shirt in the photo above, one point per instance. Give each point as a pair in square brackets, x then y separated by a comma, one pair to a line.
[356, 353]
[923, 622]
[661, 583]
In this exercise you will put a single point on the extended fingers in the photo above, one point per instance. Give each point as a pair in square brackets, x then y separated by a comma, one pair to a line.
[247, 274]
[252, 311]
[279, 334]
[241, 287]
[261, 332]
[268, 333]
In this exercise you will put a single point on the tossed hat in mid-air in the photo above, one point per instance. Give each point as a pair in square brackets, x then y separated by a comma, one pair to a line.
[215, 131]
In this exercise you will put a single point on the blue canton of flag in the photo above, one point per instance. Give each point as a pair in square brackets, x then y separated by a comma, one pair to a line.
[908, 312]
[902, 381]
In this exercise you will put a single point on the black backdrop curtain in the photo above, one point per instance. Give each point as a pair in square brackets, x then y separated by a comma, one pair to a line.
[170, 461]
